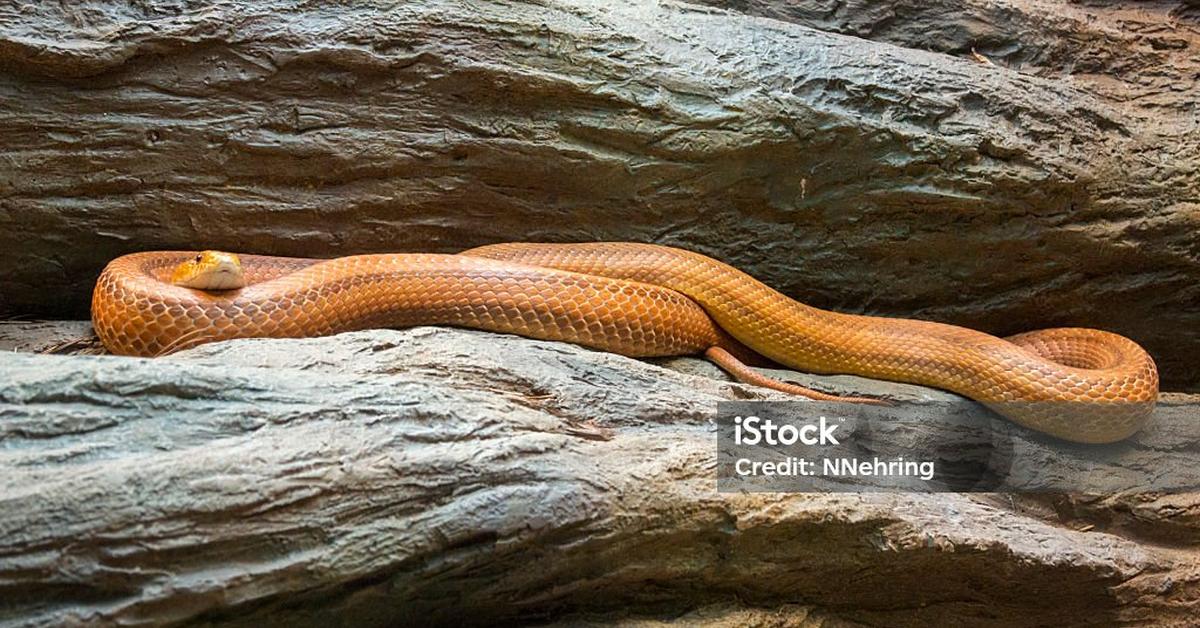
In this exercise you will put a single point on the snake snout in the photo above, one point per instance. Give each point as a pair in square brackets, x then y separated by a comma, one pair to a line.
[210, 270]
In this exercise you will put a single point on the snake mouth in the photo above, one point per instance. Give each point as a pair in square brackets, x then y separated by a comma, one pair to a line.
[224, 277]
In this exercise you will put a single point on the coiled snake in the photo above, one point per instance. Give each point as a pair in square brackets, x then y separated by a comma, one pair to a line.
[639, 300]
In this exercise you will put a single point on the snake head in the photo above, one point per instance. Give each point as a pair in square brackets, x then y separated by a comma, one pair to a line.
[210, 270]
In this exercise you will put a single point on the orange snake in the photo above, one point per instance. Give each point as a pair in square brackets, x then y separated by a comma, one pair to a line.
[639, 300]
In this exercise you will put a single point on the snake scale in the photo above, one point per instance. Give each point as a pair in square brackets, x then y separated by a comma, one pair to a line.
[639, 300]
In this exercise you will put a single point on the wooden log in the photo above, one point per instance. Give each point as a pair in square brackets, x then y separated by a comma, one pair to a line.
[438, 476]
[859, 158]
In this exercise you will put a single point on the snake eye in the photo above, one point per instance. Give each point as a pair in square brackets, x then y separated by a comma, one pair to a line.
[198, 258]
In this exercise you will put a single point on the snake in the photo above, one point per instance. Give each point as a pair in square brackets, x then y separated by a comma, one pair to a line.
[639, 300]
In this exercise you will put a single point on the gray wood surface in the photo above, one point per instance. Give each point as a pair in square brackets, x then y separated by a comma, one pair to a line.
[445, 476]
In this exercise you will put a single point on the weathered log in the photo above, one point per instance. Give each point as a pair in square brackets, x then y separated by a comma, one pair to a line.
[1054, 185]
[438, 475]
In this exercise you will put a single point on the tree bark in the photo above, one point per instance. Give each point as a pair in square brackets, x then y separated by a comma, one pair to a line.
[438, 476]
[854, 155]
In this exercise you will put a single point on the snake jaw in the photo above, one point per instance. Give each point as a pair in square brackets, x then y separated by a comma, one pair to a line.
[210, 270]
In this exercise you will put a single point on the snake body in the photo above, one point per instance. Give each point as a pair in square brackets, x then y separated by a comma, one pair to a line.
[1083, 385]
[135, 311]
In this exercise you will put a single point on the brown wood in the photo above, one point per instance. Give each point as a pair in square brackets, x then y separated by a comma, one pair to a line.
[859, 156]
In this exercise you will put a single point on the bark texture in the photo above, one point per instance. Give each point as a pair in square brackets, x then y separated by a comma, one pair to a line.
[855, 155]
[439, 476]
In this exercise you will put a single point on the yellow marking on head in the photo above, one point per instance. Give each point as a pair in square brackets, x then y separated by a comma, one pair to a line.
[210, 270]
